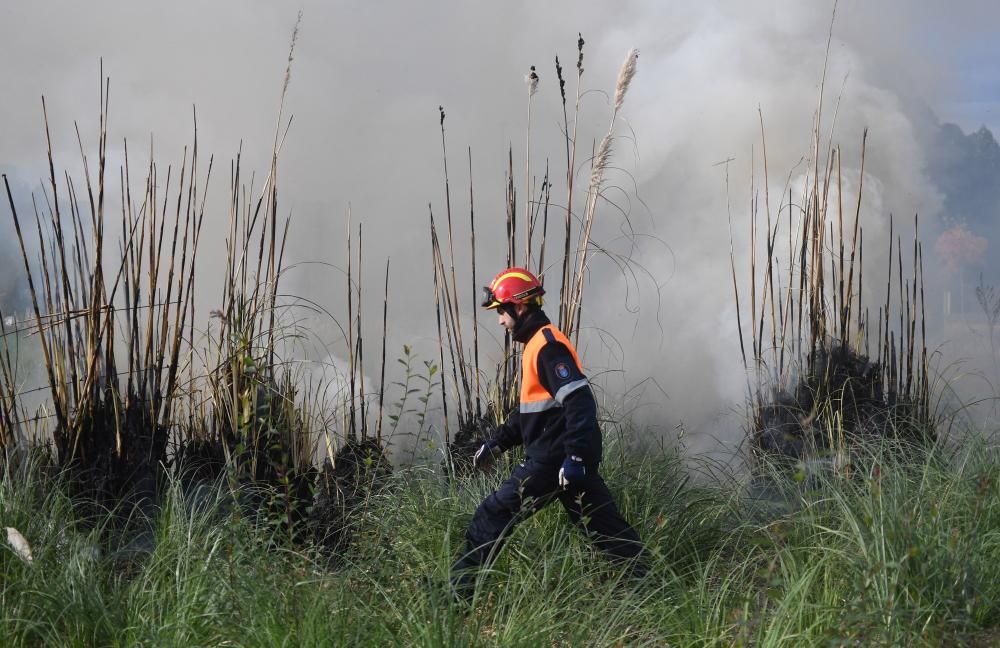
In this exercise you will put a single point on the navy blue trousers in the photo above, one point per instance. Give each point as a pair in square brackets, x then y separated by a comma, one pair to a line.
[531, 487]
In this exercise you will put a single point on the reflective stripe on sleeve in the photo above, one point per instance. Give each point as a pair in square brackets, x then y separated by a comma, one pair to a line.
[533, 407]
[568, 389]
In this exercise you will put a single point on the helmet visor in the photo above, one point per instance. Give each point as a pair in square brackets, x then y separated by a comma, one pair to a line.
[489, 299]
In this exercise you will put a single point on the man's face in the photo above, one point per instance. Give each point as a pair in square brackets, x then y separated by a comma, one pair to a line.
[504, 317]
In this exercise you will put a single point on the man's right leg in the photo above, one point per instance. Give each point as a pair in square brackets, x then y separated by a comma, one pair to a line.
[529, 488]
[592, 508]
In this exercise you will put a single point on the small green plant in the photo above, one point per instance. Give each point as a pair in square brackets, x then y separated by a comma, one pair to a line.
[413, 385]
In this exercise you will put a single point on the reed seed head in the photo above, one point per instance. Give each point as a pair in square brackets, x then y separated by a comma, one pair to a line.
[579, 58]
[291, 53]
[532, 80]
[562, 81]
[625, 77]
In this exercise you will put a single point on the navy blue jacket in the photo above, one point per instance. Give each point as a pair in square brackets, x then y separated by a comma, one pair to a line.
[569, 426]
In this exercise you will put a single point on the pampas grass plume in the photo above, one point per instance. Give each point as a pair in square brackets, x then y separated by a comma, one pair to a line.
[19, 544]
[600, 161]
[625, 77]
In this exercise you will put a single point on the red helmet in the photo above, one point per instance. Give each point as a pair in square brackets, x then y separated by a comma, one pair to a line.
[513, 286]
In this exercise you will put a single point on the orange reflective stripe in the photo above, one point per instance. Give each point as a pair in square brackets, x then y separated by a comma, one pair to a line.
[532, 391]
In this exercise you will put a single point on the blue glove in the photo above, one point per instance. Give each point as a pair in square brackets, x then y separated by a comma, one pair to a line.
[486, 455]
[572, 472]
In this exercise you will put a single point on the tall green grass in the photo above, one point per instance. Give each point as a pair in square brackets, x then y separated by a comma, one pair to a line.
[894, 555]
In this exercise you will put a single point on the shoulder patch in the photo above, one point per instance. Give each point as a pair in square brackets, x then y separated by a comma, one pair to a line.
[562, 371]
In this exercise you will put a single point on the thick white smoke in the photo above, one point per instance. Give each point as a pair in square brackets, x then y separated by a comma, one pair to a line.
[366, 83]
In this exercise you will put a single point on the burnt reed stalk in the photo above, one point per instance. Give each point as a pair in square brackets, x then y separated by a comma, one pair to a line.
[474, 302]
[450, 299]
[361, 348]
[381, 376]
[564, 291]
[451, 292]
[113, 331]
[456, 350]
[10, 431]
[544, 202]
[507, 372]
[352, 429]
[112, 437]
[437, 310]
[827, 349]
[532, 83]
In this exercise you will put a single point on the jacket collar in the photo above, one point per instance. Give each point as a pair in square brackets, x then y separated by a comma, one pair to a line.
[528, 325]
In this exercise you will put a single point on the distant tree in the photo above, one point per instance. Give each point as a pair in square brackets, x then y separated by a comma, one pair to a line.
[959, 247]
[966, 169]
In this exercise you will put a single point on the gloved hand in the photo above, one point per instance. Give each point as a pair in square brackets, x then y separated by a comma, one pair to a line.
[486, 455]
[572, 472]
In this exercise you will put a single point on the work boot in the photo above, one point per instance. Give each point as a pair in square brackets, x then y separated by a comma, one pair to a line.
[449, 593]
[462, 586]
[638, 580]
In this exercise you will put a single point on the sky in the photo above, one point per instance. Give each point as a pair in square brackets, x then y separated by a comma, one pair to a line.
[973, 96]
[366, 82]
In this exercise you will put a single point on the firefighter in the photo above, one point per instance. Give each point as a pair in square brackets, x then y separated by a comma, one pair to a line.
[556, 422]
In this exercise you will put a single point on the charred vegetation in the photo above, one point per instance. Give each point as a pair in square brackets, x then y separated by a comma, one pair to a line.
[825, 379]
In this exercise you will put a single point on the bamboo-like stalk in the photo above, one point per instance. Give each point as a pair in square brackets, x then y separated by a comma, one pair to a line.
[546, 187]
[47, 354]
[57, 222]
[532, 82]
[902, 305]
[453, 325]
[437, 310]
[511, 210]
[9, 416]
[361, 347]
[736, 288]
[753, 264]
[455, 348]
[381, 378]
[509, 367]
[912, 313]
[839, 302]
[888, 293]
[924, 368]
[565, 286]
[475, 287]
[451, 293]
[771, 236]
[352, 430]
[861, 265]
[857, 220]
